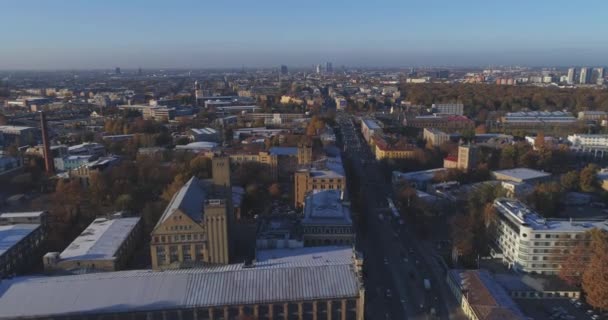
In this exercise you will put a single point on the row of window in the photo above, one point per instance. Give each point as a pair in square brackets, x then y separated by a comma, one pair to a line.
[178, 238]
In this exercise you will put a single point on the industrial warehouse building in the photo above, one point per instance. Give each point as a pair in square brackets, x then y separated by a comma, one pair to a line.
[305, 283]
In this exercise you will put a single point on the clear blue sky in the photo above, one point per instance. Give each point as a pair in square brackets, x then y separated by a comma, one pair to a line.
[79, 34]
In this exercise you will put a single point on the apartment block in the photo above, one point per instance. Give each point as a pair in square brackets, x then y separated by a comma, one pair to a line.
[324, 174]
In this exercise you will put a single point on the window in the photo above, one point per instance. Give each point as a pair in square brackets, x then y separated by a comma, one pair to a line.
[537, 236]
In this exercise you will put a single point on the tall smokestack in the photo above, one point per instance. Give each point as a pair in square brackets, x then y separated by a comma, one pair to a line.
[46, 143]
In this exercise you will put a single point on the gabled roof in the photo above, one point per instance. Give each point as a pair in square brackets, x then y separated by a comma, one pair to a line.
[189, 200]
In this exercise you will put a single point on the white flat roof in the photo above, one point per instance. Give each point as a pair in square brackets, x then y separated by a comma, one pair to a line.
[100, 240]
[521, 214]
[523, 173]
[31, 214]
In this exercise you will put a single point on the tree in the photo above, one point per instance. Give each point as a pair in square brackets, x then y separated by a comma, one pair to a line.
[546, 198]
[539, 141]
[588, 179]
[595, 277]
[275, 190]
[481, 129]
[3, 120]
[574, 264]
[124, 202]
[570, 181]
[461, 231]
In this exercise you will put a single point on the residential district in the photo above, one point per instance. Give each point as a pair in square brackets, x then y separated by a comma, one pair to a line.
[304, 193]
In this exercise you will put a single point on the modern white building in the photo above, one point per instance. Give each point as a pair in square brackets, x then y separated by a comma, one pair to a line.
[589, 140]
[530, 243]
[571, 75]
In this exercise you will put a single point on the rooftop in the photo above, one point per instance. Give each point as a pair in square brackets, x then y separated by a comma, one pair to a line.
[371, 124]
[326, 207]
[189, 199]
[204, 131]
[12, 234]
[283, 151]
[100, 240]
[278, 275]
[523, 173]
[486, 297]
[519, 213]
[30, 214]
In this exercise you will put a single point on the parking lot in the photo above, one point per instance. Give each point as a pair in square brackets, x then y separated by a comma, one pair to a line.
[553, 309]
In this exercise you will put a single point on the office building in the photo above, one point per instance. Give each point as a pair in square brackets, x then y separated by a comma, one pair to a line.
[537, 119]
[67, 163]
[324, 174]
[159, 113]
[449, 108]
[530, 243]
[18, 135]
[284, 71]
[585, 76]
[592, 115]
[341, 103]
[481, 297]
[571, 75]
[117, 71]
[600, 76]
[387, 149]
[329, 68]
[589, 140]
[369, 127]
[19, 247]
[448, 123]
[416, 179]
[305, 283]
[327, 219]
[318, 68]
[435, 137]
[195, 227]
[204, 134]
[268, 160]
[105, 245]
[467, 157]
[527, 175]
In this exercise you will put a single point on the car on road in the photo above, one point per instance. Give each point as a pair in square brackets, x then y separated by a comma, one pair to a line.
[388, 293]
[386, 261]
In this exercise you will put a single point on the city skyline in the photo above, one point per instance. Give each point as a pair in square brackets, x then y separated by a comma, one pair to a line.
[189, 34]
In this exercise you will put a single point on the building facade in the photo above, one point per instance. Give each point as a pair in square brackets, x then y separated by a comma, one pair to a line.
[327, 219]
[305, 283]
[467, 157]
[529, 243]
[326, 174]
[435, 137]
[19, 247]
[196, 225]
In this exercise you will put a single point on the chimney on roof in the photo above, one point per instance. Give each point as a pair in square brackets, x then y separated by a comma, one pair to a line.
[46, 143]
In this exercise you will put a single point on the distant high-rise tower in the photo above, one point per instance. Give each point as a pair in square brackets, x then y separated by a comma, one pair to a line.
[600, 76]
[197, 91]
[117, 70]
[284, 70]
[318, 68]
[139, 72]
[46, 144]
[585, 76]
[571, 75]
[329, 68]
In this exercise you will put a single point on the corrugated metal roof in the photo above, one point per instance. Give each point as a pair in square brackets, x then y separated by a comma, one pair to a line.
[284, 278]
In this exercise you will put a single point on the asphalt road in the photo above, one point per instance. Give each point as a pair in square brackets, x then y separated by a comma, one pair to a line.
[395, 263]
